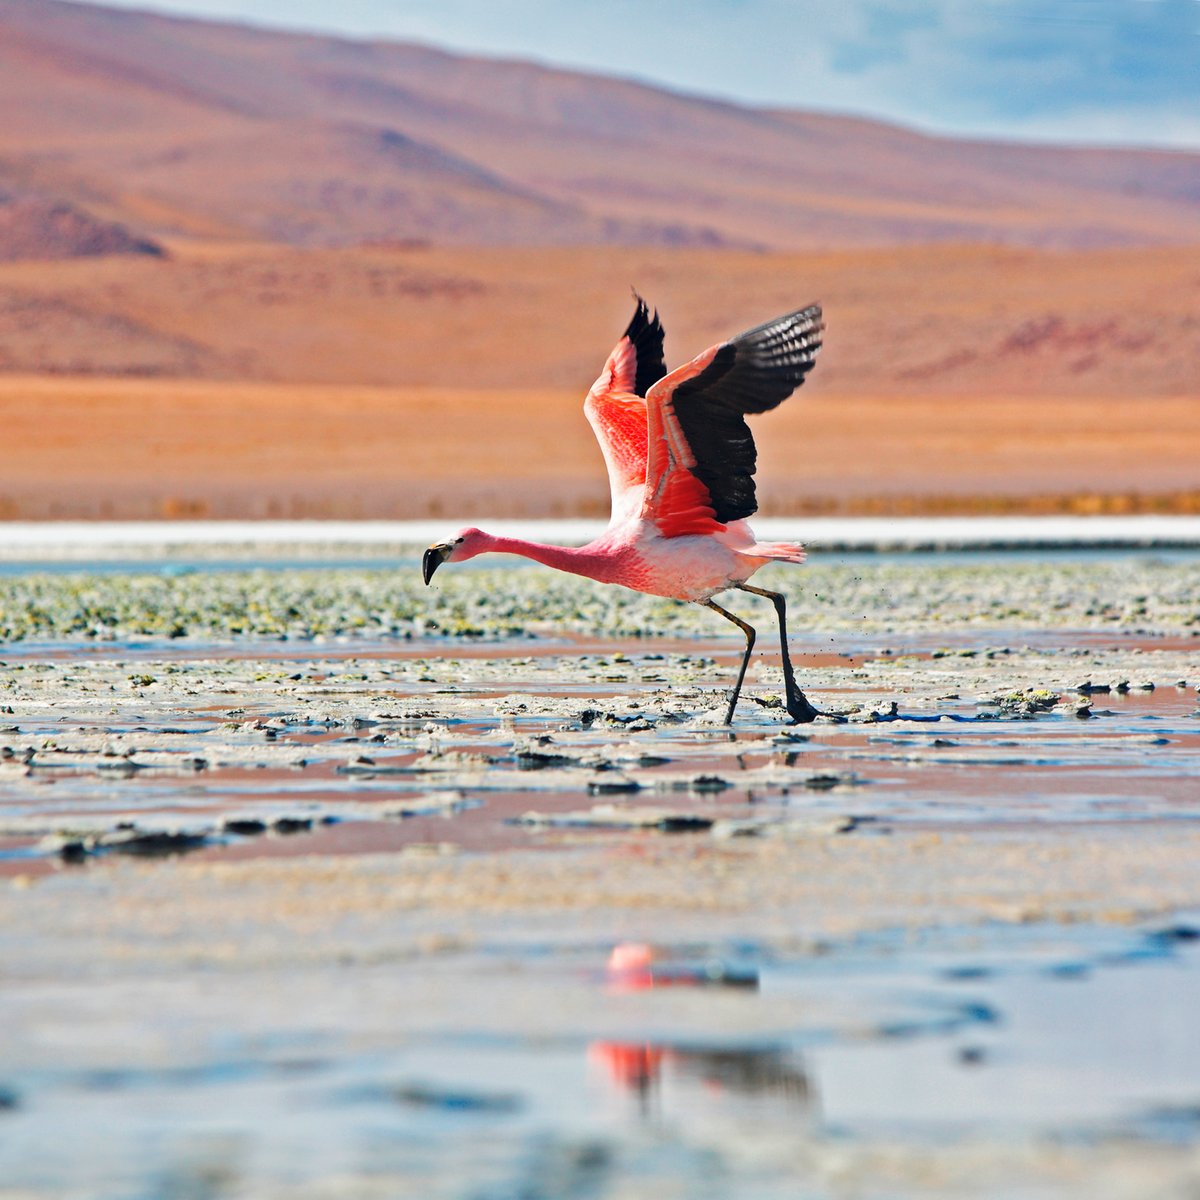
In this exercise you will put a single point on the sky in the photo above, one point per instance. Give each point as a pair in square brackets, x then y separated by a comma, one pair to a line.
[1092, 71]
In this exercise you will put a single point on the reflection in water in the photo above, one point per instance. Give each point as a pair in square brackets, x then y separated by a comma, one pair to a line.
[641, 1068]
[635, 967]
[633, 1067]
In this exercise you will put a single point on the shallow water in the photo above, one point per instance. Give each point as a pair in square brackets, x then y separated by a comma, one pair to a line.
[284, 558]
[389, 747]
[217, 977]
[962, 1052]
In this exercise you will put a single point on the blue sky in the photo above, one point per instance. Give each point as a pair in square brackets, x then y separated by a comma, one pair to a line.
[1124, 71]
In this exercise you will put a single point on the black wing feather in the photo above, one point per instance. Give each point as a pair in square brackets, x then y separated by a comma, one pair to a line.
[646, 334]
[751, 373]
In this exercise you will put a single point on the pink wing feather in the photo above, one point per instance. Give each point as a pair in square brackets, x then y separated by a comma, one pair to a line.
[616, 410]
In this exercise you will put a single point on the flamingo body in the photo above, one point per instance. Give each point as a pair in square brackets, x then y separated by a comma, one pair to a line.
[637, 554]
[681, 465]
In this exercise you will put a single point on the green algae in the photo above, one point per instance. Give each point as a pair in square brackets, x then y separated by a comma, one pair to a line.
[499, 602]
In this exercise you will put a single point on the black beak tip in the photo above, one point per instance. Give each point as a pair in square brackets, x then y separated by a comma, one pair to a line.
[430, 561]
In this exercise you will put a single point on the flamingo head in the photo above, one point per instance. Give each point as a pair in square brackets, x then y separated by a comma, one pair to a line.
[466, 543]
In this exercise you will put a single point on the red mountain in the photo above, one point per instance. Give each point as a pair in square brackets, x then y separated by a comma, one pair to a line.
[173, 128]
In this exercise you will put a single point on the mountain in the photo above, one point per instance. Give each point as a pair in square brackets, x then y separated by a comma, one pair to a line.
[162, 130]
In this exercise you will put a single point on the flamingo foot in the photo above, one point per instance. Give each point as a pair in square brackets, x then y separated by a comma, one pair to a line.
[801, 711]
[798, 706]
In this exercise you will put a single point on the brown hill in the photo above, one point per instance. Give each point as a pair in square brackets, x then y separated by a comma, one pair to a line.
[918, 320]
[182, 128]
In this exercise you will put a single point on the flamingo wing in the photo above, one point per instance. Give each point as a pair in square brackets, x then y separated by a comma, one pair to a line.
[700, 454]
[616, 408]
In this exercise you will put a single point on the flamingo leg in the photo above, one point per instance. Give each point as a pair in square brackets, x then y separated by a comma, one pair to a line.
[799, 709]
[748, 630]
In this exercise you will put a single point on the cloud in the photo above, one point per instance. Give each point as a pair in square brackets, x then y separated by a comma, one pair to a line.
[1019, 58]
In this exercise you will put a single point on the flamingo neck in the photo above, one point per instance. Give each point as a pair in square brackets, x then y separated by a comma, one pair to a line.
[577, 560]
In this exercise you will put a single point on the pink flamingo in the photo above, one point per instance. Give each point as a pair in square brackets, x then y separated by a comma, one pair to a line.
[681, 470]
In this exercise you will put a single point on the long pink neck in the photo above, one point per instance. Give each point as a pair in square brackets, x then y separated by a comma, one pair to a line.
[577, 560]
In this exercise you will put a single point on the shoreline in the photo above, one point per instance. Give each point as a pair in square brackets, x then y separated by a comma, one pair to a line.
[57, 541]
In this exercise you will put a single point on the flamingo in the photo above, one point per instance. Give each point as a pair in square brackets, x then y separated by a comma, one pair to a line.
[681, 462]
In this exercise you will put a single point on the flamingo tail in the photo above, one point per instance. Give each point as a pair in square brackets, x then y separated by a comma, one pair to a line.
[791, 552]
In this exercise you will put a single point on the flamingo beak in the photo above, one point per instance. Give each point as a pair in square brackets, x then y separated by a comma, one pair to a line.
[432, 559]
